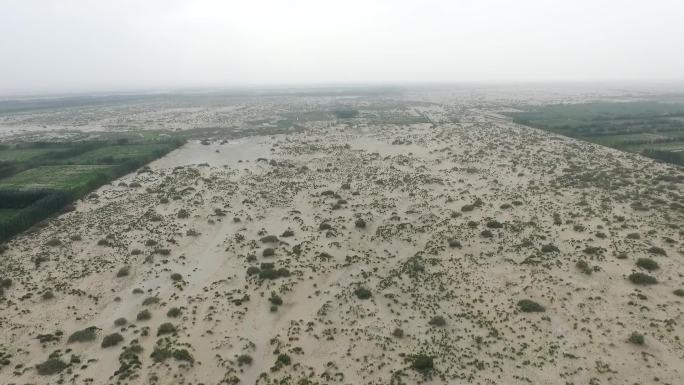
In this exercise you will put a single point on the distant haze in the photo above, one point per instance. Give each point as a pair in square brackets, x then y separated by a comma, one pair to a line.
[86, 45]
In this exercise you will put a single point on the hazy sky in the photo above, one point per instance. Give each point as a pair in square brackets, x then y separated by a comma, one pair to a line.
[82, 45]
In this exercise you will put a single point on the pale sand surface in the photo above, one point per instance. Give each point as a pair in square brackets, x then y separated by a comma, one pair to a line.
[411, 197]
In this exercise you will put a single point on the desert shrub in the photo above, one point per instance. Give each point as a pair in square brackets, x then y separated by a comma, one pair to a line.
[244, 359]
[679, 292]
[48, 295]
[174, 312]
[111, 340]
[593, 250]
[324, 226]
[85, 335]
[120, 321]
[621, 256]
[467, 208]
[138, 290]
[642, 279]
[360, 223]
[287, 233]
[549, 248]
[144, 315]
[422, 363]
[275, 299]
[636, 338]
[54, 242]
[51, 366]
[183, 213]
[268, 252]
[529, 306]
[166, 328]
[150, 301]
[176, 277]
[182, 355]
[583, 266]
[253, 270]
[633, 236]
[362, 293]
[397, 332]
[487, 234]
[494, 224]
[269, 274]
[269, 239]
[657, 250]
[283, 359]
[453, 243]
[647, 263]
[437, 320]
[123, 272]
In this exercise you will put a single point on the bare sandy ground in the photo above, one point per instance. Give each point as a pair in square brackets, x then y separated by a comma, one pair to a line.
[447, 227]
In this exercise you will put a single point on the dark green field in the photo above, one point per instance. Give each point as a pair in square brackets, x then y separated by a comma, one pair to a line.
[653, 129]
[39, 179]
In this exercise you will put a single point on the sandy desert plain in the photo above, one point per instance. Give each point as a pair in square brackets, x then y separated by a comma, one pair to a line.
[378, 238]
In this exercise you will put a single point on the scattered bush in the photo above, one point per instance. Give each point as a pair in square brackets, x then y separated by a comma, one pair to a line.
[123, 272]
[422, 363]
[120, 321]
[51, 366]
[183, 213]
[144, 315]
[636, 338]
[647, 263]
[549, 248]
[112, 340]
[150, 301]
[583, 266]
[275, 299]
[283, 359]
[437, 320]
[657, 250]
[453, 243]
[174, 312]
[362, 293]
[176, 277]
[85, 335]
[642, 279]
[529, 306]
[269, 239]
[166, 328]
[244, 359]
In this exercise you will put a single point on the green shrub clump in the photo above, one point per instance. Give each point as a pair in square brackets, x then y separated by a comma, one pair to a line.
[642, 279]
[647, 263]
[422, 363]
[362, 293]
[529, 306]
[51, 366]
[112, 340]
[85, 335]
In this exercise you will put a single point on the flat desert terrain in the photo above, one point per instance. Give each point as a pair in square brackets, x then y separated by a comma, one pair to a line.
[459, 248]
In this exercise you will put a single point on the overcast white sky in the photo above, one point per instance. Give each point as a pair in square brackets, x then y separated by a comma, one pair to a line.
[83, 45]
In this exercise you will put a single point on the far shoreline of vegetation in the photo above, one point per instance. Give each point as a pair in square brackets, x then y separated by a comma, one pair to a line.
[651, 129]
[41, 179]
